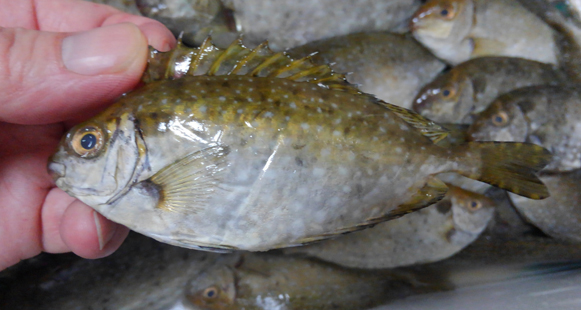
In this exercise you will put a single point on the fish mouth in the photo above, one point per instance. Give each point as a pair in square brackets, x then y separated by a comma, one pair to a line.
[56, 170]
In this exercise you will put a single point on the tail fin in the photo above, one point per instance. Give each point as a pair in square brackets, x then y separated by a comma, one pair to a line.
[511, 166]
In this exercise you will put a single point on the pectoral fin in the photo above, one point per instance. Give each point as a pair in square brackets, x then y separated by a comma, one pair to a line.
[186, 185]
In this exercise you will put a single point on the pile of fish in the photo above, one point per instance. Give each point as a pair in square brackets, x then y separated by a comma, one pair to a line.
[353, 146]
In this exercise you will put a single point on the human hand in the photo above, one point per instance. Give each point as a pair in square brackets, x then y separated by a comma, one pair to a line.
[68, 60]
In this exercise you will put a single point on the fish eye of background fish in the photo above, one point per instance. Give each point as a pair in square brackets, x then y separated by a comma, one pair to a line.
[500, 119]
[474, 205]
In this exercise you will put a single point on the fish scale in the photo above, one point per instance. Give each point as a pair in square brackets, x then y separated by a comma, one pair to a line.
[279, 153]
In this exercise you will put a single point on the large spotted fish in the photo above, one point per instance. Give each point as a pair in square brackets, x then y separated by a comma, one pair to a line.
[248, 149]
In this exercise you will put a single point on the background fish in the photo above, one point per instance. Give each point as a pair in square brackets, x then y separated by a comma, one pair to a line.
[471, 86]
[252, 162]
[287, 24]
[560, 215]
[549, 116]
[390, 66]
[458, 30]
[142, 275]
[431, 234]
[283, 282]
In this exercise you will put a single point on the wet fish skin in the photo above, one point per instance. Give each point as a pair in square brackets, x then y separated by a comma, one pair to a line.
[455, 96]
[560, 215]
[430, 234]
[545, 115]
[458, 30]
[223, 162]
[391, 66]
[263, 281]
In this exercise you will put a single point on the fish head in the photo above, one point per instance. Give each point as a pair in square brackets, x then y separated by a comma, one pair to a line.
[501, 121]
[213, 289]
[447, 99]
[96, 159]
[442, 19]
[471, 211]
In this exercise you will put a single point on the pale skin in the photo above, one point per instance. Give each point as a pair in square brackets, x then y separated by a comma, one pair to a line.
[61, 61]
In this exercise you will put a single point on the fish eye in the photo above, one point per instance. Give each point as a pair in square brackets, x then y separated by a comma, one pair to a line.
[87, 141]
[448, 92]
[447, 12]
[211, 292]
[500, 119]
[474, 205]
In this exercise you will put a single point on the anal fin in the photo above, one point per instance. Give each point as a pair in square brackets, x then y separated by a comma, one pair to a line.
[186, 185]
[432, 192]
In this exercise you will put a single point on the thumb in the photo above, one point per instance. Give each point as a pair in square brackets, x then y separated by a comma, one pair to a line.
[48, 77]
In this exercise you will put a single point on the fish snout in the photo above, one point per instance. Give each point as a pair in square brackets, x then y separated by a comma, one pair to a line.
[56, 170]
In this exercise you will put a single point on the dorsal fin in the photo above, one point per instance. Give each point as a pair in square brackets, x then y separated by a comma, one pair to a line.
[263, 62]
[427, 127]
[240, 60]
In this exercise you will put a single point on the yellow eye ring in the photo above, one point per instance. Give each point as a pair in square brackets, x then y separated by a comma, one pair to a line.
[210, 293]
[87, 141]
[500, 119]
[474, 205]
[447, 12]
[448, 92]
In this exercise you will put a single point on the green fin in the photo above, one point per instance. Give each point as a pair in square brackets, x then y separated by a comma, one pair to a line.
[427, 127]
[240, 60]
[458, 134]
[432, 192]
[510, 166]
[185, 185]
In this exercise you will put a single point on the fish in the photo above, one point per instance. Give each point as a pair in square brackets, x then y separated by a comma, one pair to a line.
[391, 66]
[288, 24]
[455, 96]
[558, 216]
[266, 281]
[549, 116]
[141, 274]
[428, 235]
[459, 30]
[242, 149]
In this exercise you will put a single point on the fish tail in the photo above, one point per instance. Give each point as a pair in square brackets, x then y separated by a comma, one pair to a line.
[508, 165]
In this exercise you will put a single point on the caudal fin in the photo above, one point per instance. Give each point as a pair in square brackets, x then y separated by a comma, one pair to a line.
[511, 166]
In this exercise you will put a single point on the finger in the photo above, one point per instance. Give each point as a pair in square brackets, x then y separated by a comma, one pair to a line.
[75, 16]
[49, 77]
[88, 234]
[53, 210]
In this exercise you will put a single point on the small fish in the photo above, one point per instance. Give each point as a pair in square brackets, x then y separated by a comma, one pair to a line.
[455, 96]
[458, 30]
[430, 234]
[391, 66]
[560, 215]
[285, 282]
[248, 149]
[287, 24]
[549, 116]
